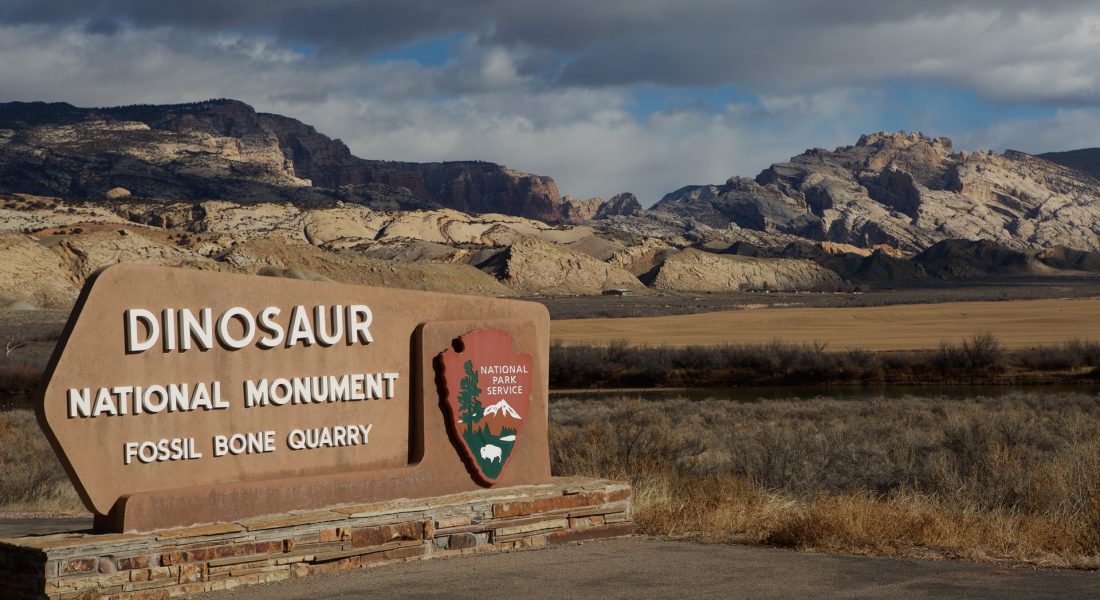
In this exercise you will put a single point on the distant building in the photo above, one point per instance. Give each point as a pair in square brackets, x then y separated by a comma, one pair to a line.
[616, 292]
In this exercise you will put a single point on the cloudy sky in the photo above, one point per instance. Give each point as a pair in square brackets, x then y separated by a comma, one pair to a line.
[604, 95]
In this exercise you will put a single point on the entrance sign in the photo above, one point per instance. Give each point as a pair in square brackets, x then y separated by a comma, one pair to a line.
[226, 395]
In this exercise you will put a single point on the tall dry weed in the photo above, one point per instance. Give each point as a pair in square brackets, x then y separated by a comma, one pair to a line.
[31, 478]
[1013, 478]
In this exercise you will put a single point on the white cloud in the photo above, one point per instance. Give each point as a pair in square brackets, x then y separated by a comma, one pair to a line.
[588, 141]
[1066, 129]
[483, 103]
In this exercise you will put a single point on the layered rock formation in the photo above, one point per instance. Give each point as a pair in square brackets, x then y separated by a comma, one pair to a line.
[533, 265]
[621, 205]
[693, 270]
[30, 272]
[575, 210]
[905, 191]
[48, 248]
[216, 185]
[225, 149]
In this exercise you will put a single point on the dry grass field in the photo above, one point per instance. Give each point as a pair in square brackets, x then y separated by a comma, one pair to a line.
[31, 477]
[1014, 478]
[1016, 323]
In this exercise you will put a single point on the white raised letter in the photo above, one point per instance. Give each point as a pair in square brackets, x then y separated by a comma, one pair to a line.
[168, 317]
[104, 403]
[300, 329]
[152, 330]
[245, 318]
[327, 336]
[80, 403]
[390, 378]
[359, 320]
[216, 390]
[274, 331]
[255, 394]
[192, 329]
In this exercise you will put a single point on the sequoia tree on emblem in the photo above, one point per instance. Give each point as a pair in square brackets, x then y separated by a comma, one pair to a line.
[487, 395]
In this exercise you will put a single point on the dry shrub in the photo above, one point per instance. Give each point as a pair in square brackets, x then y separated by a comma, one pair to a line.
[19, 377]
[1088, 530]
[1012, 478]
[644, 443]
[862, 523]
[33, 479]
[978, 358]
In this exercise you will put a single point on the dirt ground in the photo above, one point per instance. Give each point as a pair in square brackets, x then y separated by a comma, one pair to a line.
[1020, 312]
[1018, 323]
[656, 304]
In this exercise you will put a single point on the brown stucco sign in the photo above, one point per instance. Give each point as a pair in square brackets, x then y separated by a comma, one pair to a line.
[224, 395]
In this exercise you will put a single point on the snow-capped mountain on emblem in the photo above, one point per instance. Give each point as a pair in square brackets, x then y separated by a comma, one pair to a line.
[504, 409]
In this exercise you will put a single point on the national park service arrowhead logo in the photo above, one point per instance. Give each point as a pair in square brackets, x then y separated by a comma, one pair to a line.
[487, 395]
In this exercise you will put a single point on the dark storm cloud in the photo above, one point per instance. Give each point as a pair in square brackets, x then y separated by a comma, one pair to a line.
[340, 26]
[610, 32]
[1012, 50]
[779, 46]
[208, 14]
[784, 44]
[353, 27]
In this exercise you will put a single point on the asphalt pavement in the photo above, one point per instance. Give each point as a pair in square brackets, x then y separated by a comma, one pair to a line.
[16, 526]
[648, 568]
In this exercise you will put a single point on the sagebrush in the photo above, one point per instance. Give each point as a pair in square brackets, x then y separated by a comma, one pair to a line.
[1009, 478]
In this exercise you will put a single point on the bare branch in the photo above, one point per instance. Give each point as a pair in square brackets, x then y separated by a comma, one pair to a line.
[13, 345]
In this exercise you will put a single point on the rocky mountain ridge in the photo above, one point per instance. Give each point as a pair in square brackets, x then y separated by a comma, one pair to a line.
[1085, 160]
[49, 247]
[224, 149]
[218, 186]
[907, 191]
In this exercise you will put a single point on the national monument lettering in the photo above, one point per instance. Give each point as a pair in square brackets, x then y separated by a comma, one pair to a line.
[184, 329]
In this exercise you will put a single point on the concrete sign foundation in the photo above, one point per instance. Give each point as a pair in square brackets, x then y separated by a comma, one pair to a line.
[180, 396]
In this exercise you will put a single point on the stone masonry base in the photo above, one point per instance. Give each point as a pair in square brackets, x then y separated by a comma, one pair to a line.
[176, 562]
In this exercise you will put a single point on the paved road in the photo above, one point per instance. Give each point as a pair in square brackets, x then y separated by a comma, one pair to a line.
[644, 568]
[18, 526]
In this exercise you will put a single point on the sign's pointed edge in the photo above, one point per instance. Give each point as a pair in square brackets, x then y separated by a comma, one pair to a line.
[47, 380]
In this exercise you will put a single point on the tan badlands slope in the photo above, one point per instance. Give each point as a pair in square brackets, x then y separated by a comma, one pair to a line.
[905, 327]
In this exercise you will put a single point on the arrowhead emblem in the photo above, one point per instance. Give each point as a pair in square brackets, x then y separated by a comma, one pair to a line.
[487, 397]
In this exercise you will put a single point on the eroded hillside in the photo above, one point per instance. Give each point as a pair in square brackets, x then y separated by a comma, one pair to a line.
[216, 185]
[226, 149]
[907, 191]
